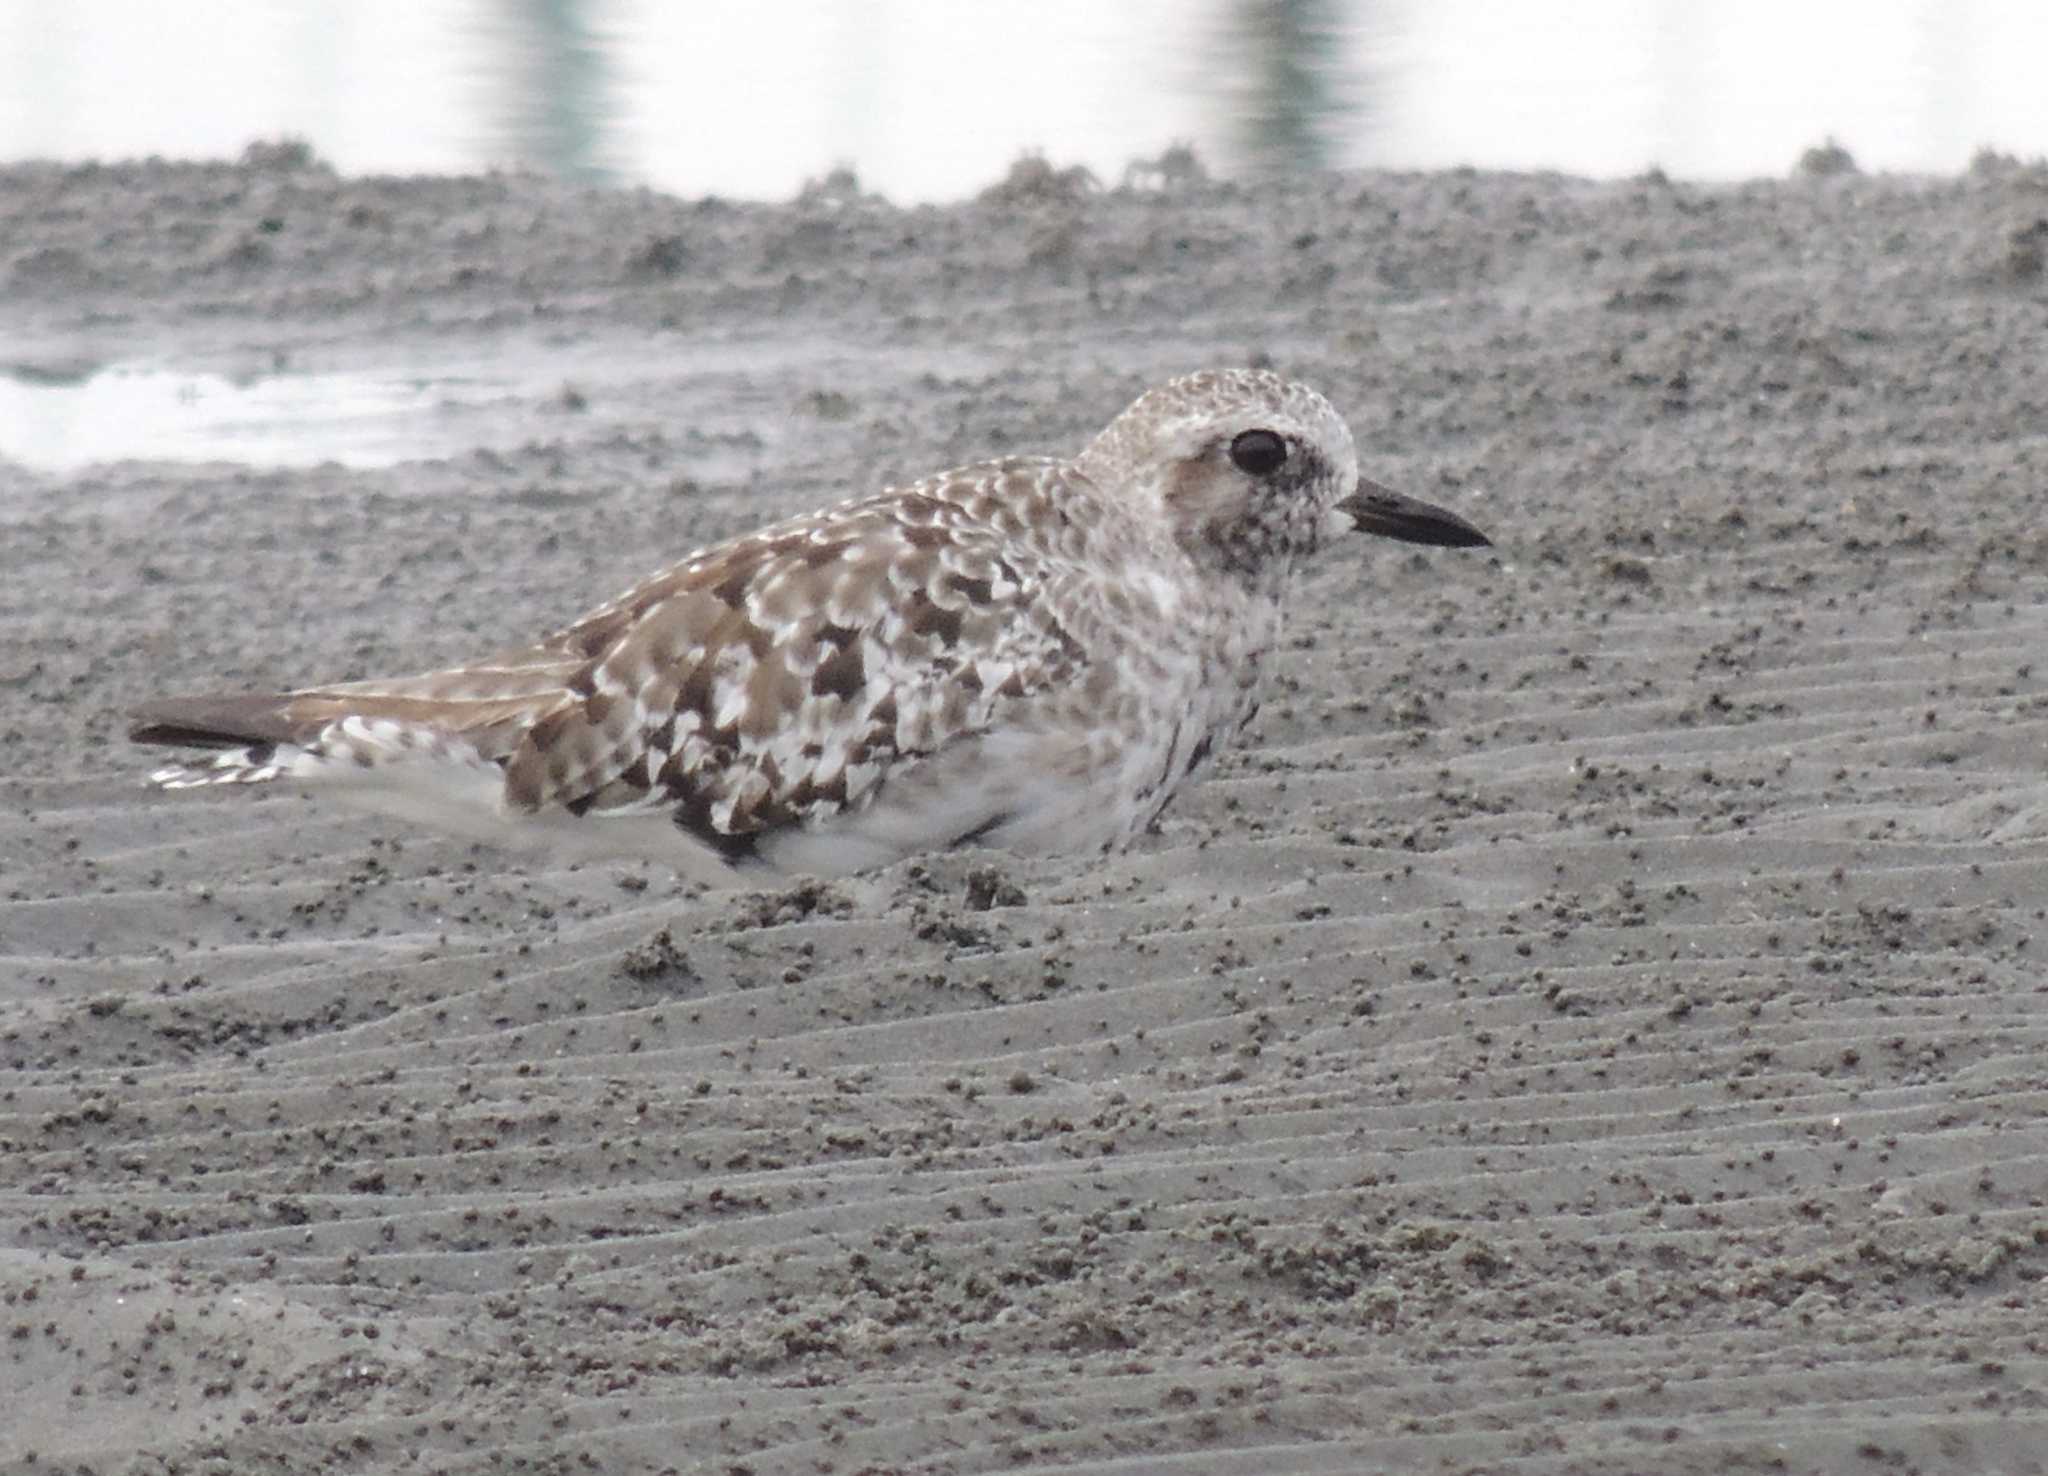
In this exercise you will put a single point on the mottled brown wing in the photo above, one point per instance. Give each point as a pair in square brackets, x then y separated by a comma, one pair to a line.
[779, 678]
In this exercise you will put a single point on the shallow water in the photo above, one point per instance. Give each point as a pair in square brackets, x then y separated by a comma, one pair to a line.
[127, 412]
[750, 101]
[58, 415]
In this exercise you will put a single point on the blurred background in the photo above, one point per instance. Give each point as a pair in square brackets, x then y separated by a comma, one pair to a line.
[933, 99]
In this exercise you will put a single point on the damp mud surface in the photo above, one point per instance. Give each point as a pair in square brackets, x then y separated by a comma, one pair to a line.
[1597, 1023]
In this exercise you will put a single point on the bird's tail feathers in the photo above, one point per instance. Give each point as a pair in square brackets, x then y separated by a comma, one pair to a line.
[334, 732]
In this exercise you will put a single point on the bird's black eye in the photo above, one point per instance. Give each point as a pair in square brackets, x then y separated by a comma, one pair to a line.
[1258, 453]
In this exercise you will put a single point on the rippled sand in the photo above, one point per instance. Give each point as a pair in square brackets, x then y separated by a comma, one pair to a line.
[1598, 1026]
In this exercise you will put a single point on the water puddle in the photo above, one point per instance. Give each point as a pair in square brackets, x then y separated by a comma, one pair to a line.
[62, 418]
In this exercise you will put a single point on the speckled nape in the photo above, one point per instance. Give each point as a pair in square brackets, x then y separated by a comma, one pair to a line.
[1029, 653]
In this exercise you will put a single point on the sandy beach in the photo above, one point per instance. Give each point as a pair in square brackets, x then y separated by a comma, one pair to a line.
[1598, 1023]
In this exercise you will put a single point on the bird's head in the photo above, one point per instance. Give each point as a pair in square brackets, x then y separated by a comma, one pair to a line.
[1251, 470]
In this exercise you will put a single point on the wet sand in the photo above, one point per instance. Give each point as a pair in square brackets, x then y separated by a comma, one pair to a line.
[1596, 1026]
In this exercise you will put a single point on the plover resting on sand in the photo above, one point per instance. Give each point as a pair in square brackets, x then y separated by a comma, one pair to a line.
[1027, 653]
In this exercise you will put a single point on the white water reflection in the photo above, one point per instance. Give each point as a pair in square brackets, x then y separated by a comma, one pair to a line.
[932, 99]
[58, 415]
[61, 423]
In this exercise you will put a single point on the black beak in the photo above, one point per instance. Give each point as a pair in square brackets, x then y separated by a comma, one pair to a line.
[1377, 509]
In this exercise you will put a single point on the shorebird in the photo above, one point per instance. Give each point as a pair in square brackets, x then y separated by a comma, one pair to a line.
[1029, 653]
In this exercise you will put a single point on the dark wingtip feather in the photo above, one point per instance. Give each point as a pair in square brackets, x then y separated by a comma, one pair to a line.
[213, 722]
